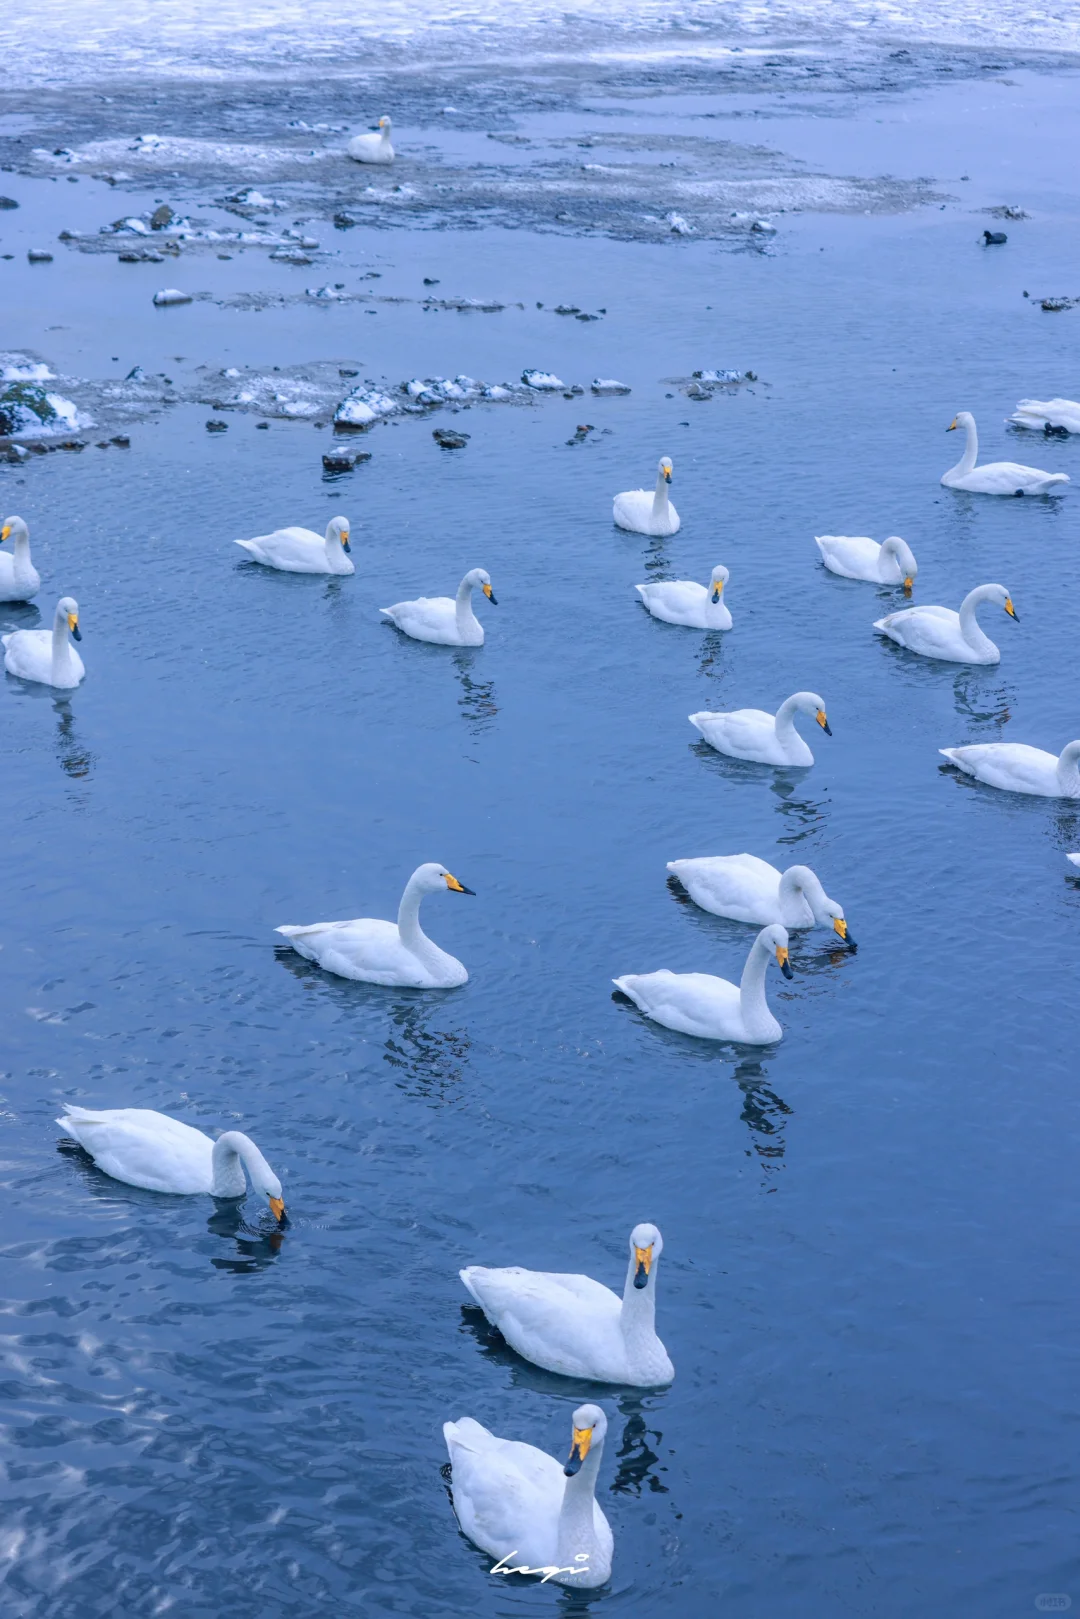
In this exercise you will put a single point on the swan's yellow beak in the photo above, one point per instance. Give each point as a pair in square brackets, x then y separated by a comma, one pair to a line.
[951, 425]
[717, 589]
[822, 721]
[840, 927]
[458, 888]
[73, 625]
[277, 1208]
[5, 531]
[1010, 609]
[782, 961]
[643, 1264]
[908, 582]
[489, 594]
[579, 1449]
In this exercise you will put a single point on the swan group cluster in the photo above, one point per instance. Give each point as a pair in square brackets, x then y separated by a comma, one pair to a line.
[536, 1515]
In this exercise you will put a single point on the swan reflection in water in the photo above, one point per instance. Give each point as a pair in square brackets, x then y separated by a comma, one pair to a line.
[255, 1248]
[982, 703]
[477, 702]
[638, 1454]
[765, 1115]
[75, 760]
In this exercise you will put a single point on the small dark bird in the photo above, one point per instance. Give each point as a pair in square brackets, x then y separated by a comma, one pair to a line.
[994, 238]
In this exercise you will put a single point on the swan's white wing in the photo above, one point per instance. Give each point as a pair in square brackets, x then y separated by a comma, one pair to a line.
[1057, 412]
[29, 654]
[144, 1148]
[736, 885]
[692, 1003]
[570, 1324]
[507, 1495]
[425, 617]
[744, 729]
[1013, 766]
[933, 631]
[368, 947]
[854, 556]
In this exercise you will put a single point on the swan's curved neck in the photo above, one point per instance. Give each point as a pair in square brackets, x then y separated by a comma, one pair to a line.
[231, 1151]
[463, 612]
[969, 624]
[61, 643]
[971, 451]
[1068, 771]
[755, 1008]
[22, 567]
[577, 1528]
[660, 500]
[785, 721]
[800, 895]
[413, 936]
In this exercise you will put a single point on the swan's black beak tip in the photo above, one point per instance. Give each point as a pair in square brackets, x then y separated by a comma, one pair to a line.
[76, 633]
[346, 546]
[573, 1466]
[785, 968]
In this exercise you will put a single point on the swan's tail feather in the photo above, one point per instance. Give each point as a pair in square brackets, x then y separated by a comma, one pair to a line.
[883, 624]
[248, 545]
[467, 1278]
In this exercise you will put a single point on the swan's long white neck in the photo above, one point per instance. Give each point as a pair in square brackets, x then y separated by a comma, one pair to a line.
[413, 936]
[801, 896]
[23, 571]
[894, 556]
[969, 624]
[1068, 773]
[785, 721]
[333, 547]
[61, 645]
[971, 451]
[660, 500]
[577, 1528]
[463, 613]
[638, 1318]
[231, 1152]
[756, 1016]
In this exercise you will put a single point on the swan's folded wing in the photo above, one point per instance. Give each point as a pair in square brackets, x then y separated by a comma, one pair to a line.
[143, 1148]
[537, 1296]
[744, 727]
[1012, 765]
[507, 1495]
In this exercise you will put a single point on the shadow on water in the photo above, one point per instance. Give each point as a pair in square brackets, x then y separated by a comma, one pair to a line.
[711, 654]
[477, 701]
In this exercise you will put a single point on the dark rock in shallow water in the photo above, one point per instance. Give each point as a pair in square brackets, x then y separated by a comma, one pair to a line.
[13, 454]
[38, 255]
[263, 426]
[344, 460]
[8, 202]
[345, 221]
[214, 426]
[449, 439]
[995, 238]
[121, 441]
[161, 217]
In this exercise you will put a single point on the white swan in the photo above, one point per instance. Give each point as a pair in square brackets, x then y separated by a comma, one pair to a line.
[684, 601]
[47, 656]
[750, 890]
[996, 477]
[766, 739]
[378, 952]
[301, 550]
[19, 579]
[373, 148]
[533, 1514]
[1017, 768]
[712, 1008]
[1073, 859]
[573, 1325]
[148, 1149]
[855, 557]
[1039, 414]
[445, 620]
[643, 513]
[939, 632]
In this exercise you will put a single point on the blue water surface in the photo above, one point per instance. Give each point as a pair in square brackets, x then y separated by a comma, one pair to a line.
[868, 1284]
